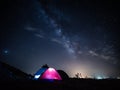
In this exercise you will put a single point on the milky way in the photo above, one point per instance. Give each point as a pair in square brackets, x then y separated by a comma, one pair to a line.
[76, 37]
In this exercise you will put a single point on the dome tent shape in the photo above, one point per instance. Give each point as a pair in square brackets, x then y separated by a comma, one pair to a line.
[47, 73]
[40, 71]
[51, 73]
[63, 74]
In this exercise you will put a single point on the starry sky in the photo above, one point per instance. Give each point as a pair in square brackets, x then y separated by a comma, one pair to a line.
[72, 35]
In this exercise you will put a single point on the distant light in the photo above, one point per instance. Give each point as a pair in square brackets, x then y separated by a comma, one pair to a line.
[99, 77]
[118, 77]
[37, 76]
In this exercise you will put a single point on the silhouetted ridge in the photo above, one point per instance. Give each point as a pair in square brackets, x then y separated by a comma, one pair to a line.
[11, 72]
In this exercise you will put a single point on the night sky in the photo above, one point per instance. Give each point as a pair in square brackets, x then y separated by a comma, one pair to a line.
[72, 35]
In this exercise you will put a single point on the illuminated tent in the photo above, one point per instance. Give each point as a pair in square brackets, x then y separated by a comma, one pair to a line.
[47, 73]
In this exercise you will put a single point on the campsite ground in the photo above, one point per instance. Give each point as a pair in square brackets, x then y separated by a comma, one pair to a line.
[70, 84]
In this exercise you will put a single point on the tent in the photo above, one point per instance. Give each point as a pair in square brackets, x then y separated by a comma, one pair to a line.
[47, 73]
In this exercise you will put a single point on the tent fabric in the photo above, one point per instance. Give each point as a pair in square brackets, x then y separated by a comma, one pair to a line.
[39, 73]
[51, 73]
[47, 73]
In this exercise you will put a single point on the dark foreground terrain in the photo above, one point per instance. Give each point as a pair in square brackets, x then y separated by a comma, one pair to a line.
[12, 78]
[71, 84]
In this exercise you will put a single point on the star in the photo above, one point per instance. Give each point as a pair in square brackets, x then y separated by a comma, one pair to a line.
[6, 52]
